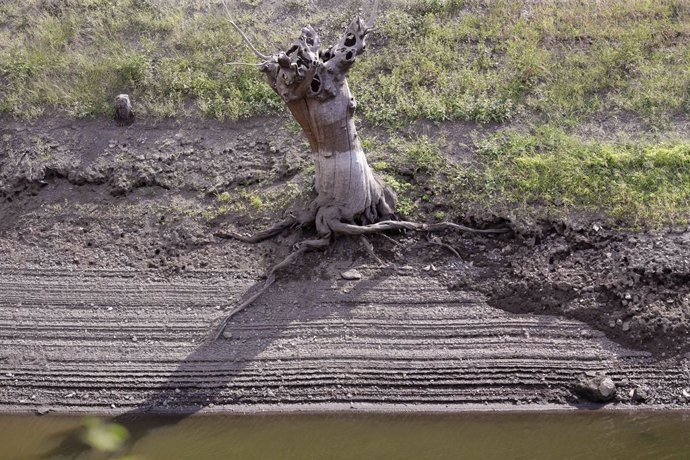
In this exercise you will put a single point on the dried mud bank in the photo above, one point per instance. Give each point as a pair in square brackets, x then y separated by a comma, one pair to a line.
[110, 282]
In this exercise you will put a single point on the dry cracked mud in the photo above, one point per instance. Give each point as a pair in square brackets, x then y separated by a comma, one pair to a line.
[111, 282]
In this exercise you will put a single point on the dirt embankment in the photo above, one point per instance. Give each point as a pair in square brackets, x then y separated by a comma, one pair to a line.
[111, 281]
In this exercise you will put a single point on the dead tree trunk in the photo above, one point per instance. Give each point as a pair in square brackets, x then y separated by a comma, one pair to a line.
[313, 84]
[352, 199]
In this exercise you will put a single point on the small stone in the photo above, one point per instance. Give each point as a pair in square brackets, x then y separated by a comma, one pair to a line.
[639, 395]
[427, 268]
[351, 275]
[70, 395]
[626, 326]
[43, 410]
[686, 393]
[227, 334]
[113, 406]
[134, 338]
[177, 390]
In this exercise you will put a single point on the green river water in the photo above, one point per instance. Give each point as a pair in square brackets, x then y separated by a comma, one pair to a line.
[570, 435]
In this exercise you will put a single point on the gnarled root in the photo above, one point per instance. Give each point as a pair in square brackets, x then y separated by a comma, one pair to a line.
[262, 235]
[341, 228]
[301, 248]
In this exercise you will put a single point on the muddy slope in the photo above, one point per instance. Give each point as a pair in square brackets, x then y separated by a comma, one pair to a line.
[114, 341]
[111, 279]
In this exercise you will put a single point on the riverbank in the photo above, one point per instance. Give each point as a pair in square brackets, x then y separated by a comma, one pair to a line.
[114, 342]
[112, 281]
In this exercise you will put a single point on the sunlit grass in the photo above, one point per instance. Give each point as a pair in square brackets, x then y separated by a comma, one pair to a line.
[550, 66]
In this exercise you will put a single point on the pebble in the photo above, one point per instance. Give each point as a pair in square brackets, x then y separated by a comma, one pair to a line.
[639, 395]
[351, 275]
[227, 334]
[686, 393]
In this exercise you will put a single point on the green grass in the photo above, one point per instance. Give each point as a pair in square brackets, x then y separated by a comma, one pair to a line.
[639, 184]
[542, 70]
[484, 61]
[544, 173]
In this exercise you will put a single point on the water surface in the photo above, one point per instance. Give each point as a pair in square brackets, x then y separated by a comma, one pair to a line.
[580, 435]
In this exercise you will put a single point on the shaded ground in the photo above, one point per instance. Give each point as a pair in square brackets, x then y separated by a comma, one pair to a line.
[108, 232]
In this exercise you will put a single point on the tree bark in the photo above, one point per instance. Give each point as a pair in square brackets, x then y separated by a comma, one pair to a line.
[313, 84]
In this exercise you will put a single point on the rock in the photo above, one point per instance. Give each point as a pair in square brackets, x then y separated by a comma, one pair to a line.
[124, 115]
[351, 275]
[597, 388]
[686, 394]
[227, 334]
[639, 394]
[43, 410]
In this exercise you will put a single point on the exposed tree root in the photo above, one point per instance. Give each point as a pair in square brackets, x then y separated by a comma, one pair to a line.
[338, 228]
[262, 235]
[301, 248]
[437, 241]
[370, 249]
[342, 228]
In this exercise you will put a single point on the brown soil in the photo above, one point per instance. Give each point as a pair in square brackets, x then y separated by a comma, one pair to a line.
[111, 280]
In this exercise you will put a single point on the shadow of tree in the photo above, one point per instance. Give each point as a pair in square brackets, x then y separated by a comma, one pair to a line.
[238, 369]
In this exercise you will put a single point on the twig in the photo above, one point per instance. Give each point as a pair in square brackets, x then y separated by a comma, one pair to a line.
[372, 18]
[258, 54]
[444, 245]
[370, 249]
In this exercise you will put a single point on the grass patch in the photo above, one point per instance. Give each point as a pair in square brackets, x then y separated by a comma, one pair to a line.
[554, 64]
[545, 173]
[637, 184]
[484, 61]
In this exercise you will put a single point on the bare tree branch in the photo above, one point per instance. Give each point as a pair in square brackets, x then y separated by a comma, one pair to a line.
[372, 18]
[256, 52]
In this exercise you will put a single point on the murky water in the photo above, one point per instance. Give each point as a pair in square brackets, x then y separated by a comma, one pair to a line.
[581, 435]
